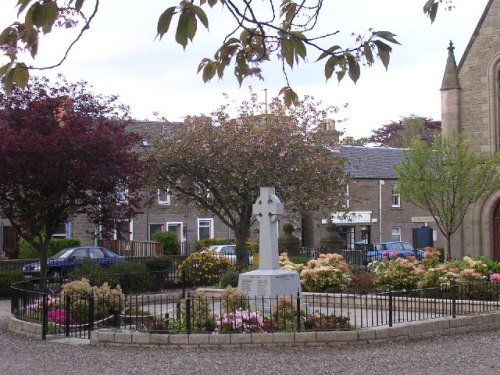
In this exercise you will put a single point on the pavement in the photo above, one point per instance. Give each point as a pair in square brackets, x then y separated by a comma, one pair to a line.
[4, 308]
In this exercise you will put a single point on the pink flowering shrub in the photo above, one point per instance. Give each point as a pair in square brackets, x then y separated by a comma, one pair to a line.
[244, 321]
[52, 302]
[396, 273]
[286, 264]
[329, 271]
[431, 257]
[495, 277]
[58, 316]
[439, 275]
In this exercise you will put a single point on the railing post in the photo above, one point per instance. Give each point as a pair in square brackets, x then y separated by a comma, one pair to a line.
[390, 308]
[298, 311]
[188, 315]
[183, 281]
[454, 301]
[45, 311]
[91, 310]
[116, 318]
[67, 304]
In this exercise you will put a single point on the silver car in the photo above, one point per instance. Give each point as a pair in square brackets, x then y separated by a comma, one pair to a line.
[229, 252]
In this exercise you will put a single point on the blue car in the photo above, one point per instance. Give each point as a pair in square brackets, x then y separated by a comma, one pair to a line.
[66, 260]
[385, 250]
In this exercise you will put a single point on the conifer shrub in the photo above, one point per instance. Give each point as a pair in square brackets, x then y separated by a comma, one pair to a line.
[230, 278]
[171, 244]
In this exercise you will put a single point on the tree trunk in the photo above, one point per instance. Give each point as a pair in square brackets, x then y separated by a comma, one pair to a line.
[448, 248]
[242, 236]
[43, 249]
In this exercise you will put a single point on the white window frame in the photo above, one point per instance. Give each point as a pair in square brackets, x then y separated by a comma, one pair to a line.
[395, 197]
[67, 231]
[168, 200]
[211, 227]
[398, 230]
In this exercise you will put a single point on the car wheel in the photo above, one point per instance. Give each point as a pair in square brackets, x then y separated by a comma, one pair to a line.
[55, 275]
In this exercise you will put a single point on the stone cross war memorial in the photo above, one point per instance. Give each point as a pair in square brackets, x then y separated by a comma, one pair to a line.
[269, 280]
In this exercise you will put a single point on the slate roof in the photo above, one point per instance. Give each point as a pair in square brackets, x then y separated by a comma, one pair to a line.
[372, 162]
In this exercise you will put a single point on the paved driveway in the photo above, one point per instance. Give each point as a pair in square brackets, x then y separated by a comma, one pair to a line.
[473, 353]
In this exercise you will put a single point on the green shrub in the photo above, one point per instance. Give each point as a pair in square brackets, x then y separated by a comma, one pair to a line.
[285, 313]
[7, 278]
[160, 270]
[26, 251]
[171, 245]
[202, 319]
[91, 271]
[493, 267]
[106, 299]
[132, 277]
[230, 278]
[233, 299]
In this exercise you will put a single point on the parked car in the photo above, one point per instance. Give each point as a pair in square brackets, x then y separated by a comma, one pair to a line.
[384, 250]
[66, 260]
[229, 252]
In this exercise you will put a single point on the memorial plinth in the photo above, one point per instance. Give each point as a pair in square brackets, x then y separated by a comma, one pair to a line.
[269, 280]
[270, 283]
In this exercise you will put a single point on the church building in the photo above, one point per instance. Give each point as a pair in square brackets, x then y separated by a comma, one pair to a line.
[470, 104]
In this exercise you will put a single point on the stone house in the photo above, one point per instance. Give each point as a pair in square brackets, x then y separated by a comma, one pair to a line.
[470, 104]
[374, 211]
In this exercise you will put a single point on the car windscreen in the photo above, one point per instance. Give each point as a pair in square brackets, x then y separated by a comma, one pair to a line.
[62, 254]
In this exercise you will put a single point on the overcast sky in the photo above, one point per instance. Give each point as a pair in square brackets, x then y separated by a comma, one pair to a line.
[119, 55]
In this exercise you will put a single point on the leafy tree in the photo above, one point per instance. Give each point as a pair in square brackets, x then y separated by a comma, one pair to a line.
[64, 151]
[257, 31]
[400, 134]
[220, 163]
[446, 179]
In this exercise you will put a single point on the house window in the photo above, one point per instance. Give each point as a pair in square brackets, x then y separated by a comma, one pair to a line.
[396, 234]
[155, 228]
[205, 229]
[124, 231]
[395, 197]
[164, 197]
[63, 231]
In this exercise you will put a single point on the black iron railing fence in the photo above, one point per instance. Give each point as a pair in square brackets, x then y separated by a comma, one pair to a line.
[186, 311]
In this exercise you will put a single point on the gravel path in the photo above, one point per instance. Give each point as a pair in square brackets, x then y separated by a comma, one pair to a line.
[474, 353]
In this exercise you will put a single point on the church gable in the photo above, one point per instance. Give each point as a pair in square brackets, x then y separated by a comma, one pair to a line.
[478, 73]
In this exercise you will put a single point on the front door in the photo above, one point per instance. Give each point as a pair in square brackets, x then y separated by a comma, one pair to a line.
[496, 233]
[177, 228]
